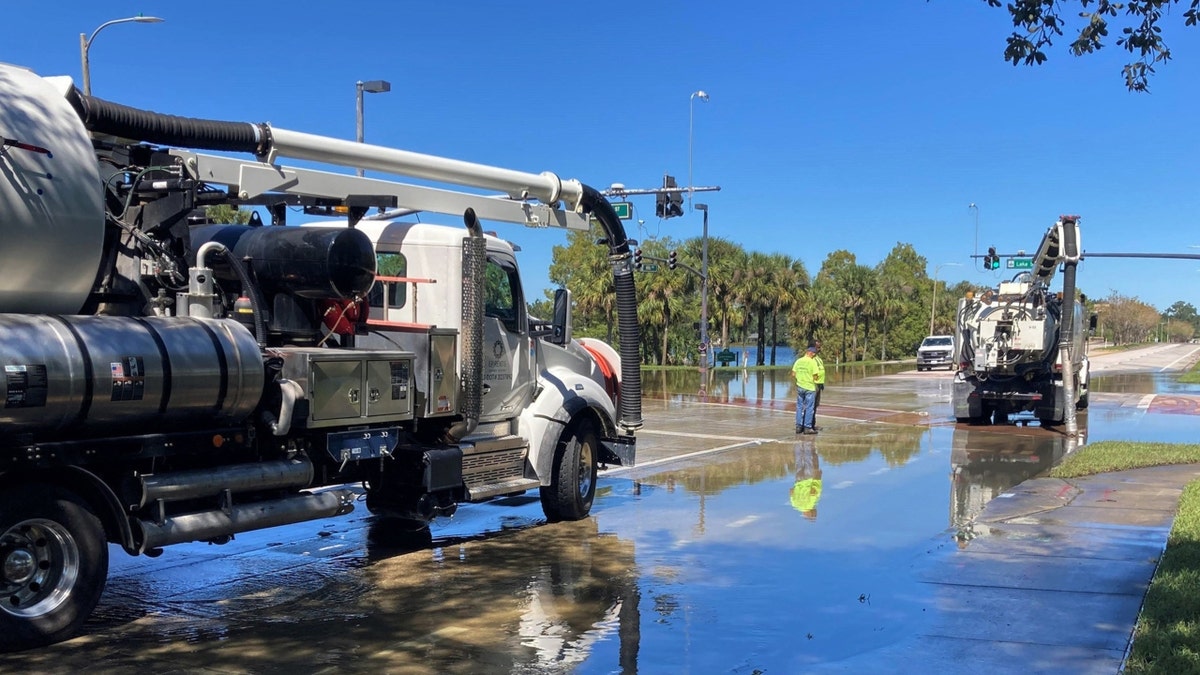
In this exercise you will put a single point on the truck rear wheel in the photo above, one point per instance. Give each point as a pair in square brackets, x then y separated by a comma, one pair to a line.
[572, 487]
[53, 565]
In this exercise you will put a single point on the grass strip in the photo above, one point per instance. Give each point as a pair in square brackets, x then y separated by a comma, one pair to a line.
[1192, 376]
[1108, 456]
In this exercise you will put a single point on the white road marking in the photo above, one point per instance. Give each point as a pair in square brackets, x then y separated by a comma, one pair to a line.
[667, 460]
[1185, 356]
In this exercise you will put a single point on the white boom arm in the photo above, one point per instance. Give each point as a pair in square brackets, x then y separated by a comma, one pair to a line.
[1060, 245]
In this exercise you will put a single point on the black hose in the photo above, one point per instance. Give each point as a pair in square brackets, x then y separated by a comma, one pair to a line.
[630, 414]
[248, 287]
[114, 119]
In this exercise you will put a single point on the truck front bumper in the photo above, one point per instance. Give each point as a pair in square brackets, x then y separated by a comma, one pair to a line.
[621, 450]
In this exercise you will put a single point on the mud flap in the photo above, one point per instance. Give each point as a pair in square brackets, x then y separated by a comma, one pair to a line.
[621, 450]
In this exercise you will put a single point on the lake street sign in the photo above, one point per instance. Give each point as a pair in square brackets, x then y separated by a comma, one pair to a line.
[1020, 263]
[624, 210]
[649, 267]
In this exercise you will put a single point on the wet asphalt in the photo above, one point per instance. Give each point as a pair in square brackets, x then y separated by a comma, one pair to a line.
[893, 541]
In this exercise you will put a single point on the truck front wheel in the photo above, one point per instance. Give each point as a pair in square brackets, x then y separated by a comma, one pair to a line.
[53, 565]
[573, 484]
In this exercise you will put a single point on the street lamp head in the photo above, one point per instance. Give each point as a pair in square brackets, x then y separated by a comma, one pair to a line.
[702, 207]
[376, 86]
[85, 44]
[700, 94]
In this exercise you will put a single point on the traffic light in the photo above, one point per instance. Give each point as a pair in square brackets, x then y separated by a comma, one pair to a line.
[669, 204]
[671, 262]
[637, 259]
[991, 261]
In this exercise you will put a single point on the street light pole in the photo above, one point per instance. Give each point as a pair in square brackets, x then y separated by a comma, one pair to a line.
[371, 87]
[933, 305]
[85, 44]
[704, 346]
[703, 96]
[974, 206]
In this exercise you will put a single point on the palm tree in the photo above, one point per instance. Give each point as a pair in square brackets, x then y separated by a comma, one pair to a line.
[787, 276]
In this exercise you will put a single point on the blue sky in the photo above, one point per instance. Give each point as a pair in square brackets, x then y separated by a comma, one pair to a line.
[848, 124]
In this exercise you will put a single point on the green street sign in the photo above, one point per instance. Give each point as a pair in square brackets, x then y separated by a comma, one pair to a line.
[1020, 263]
[624, 210]
[649, 267]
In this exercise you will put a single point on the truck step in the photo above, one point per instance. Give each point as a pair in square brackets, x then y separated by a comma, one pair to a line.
[477, 493]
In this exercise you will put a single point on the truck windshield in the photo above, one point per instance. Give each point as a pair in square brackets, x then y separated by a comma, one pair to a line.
[938, 342]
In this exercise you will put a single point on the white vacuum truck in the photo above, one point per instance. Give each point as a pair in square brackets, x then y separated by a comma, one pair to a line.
[1021, 347]
[167, 380]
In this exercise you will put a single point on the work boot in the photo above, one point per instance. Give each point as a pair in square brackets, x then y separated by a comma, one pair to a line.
[809, 432]
[799, 430]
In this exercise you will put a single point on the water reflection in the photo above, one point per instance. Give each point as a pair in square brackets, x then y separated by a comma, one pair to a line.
[985, 464]
[806, 491]
[531, 600]
[750, 386]
[1143, 383]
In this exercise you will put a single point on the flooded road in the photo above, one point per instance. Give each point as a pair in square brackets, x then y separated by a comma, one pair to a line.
[734, 546]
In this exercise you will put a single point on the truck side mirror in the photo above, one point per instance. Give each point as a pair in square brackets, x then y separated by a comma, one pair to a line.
[561, 326]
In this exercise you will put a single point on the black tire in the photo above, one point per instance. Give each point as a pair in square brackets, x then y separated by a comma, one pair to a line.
[572, 487]
[53, 565]
[1082, 403]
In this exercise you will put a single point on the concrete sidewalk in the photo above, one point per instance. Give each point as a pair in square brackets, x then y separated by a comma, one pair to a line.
[1073, 555]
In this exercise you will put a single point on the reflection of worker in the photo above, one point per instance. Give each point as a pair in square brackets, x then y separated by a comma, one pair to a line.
[806, 492]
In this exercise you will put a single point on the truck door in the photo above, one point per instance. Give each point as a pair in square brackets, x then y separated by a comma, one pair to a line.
[508, 360]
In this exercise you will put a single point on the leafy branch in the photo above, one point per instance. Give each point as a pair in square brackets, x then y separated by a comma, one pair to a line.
[1040, 22]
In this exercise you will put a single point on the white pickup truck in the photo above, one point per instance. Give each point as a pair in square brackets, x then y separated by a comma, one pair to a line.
[936, 351]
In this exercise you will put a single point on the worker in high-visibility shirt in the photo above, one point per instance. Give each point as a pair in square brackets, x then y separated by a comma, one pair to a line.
[806, 491]
[807, 374]
[816, 345]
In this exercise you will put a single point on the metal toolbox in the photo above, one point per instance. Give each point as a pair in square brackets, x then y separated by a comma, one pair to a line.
[348, 387]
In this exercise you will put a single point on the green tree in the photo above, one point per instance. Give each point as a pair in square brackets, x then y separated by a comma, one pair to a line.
[1185, 312]
[725, 259]
[1040, 22]
[661, 300]
[849, 282]
[224, 214]
[786, 279]
[1126, 319]
[752, 288]
[897, 276]
[583, 267]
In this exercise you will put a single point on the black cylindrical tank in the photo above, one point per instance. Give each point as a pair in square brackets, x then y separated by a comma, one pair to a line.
[120, 374]
[308, 262]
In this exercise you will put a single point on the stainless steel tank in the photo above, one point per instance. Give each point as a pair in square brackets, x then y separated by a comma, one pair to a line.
[125, 375]
[51, 197]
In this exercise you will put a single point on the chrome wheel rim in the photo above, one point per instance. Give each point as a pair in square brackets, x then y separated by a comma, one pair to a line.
[585, 469]
[39, 566]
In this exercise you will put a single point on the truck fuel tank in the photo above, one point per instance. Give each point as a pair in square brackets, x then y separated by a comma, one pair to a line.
[125, 375]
